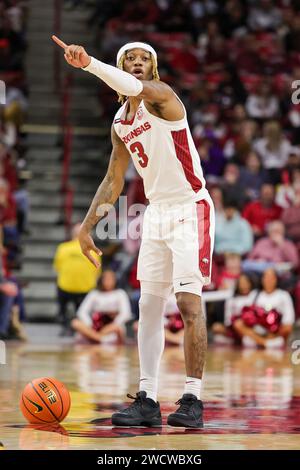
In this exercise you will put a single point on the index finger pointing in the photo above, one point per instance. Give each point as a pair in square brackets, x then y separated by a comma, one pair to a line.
[59, 42]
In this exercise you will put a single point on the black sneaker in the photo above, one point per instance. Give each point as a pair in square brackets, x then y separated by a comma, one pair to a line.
[189, 414]
[142, 412]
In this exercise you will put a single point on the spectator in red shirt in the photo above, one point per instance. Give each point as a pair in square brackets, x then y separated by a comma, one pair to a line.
[260, 213]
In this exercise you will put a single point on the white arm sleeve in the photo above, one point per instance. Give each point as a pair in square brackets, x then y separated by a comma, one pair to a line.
[117, 79]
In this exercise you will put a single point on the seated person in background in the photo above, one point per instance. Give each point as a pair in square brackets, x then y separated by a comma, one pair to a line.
[286, 192]
[252, 176]
[274, 150]
[174, 327]
[243, 295]
[233, 233]
[8, 220]
[104, 311]
[263, 103]
[216, 194]
[260, 213]
[226, 281]
[291, 218]
[231, 185]
[268, 322]
[230, 273]
[76, 276]
[275, 248]
[8, 294]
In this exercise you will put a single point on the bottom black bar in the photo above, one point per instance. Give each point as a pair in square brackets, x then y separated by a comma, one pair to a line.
[131, 459]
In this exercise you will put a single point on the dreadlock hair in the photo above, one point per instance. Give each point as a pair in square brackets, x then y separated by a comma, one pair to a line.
[155, 74]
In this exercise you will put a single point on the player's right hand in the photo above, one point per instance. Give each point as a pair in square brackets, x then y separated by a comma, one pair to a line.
[75, 55]
[87, 245]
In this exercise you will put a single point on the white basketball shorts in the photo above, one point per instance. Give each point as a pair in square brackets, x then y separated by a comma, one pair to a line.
[177, 245]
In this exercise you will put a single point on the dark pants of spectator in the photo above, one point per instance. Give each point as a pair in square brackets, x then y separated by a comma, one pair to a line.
[64, 298]
[134, 301]
[6, 304]
[11, 239]
[274, 175]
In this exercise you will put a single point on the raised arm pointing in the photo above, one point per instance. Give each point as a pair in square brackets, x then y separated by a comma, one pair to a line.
[75, 55]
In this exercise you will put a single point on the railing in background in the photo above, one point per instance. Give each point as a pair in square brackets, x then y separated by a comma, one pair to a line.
[64, 89]
[56, 51]
[67, 130]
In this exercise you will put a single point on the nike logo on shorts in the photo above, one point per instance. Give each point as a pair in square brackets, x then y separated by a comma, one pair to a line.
[185, 283]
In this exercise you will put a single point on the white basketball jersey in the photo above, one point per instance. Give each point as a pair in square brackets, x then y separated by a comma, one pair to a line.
[164, 154]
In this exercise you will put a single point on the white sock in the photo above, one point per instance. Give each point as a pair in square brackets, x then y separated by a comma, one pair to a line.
[149, 385]
[151, 341]
[193, 385]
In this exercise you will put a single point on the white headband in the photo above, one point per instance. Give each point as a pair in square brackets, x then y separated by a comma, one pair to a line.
[136, 45]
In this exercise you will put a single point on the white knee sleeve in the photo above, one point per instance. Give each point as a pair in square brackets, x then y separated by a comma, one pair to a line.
[151, 335]
[158, 289]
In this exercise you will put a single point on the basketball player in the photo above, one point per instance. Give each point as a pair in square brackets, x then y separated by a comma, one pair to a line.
[178, 230]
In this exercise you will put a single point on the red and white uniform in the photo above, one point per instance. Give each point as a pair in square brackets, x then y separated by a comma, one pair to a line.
[178, 228]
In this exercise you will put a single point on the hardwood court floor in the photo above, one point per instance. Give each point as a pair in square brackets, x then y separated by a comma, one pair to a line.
[252, 399]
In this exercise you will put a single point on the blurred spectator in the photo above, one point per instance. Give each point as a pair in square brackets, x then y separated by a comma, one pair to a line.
[274, 149]
[16, 12]
[10, 327]
[286, 192]
[252, 176]
[233, 18]
[292, 37]
[243, 295]
[233, 233]
[230, 272]
[212, 156]
[14, 110]
[76, 276]
[291, 218]
[8, 220]
[231, 185]
[216, 194]
[275, 248]
[264, 16]
[262, 104]
[260, 213]
[12, 47]
[268, 323]
[104, 312]
[231, 90]
[240, 143]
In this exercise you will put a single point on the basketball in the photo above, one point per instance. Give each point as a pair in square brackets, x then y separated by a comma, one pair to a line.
[45, 400]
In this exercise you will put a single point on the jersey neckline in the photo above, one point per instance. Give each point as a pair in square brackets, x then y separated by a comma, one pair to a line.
[125, 121]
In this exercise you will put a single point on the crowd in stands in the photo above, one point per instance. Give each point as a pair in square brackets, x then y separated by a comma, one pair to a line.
[14, 204]
[232, 63]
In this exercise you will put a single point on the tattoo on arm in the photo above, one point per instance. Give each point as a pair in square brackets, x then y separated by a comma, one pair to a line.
[111, 186]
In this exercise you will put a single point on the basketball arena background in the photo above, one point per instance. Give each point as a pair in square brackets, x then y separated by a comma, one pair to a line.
[236, 66]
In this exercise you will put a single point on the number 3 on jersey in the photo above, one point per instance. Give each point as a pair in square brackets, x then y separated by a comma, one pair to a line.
[137, 147]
